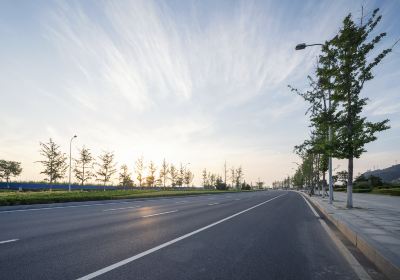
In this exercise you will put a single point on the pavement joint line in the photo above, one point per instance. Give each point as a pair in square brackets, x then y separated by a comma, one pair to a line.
[353, 262]
[158, 214]
[8, 241]
[166, 244]
[122, 208]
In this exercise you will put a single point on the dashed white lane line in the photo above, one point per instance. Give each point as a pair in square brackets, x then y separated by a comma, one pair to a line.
[154, 249]
[163, 213]
[181, 202]
[215, 203]
[8, 241]
[122, 208]
[237, 199]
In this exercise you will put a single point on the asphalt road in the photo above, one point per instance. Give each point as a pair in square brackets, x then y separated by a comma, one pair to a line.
[258, 235]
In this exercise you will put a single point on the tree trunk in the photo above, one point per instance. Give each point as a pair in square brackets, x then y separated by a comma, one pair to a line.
[350, 184]
[323, 184]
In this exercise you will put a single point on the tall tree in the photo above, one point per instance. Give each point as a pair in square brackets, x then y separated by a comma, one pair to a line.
[239, 176]
[83, 166]
[139, 169]
[150, 179]
[353, 68]
[125, 179]
[9, 169]
[54, 162]
[233, 177]
[106, 168]
[164, 170]
[205, 178]
[188, 178]
[173, 175]
[181, 175]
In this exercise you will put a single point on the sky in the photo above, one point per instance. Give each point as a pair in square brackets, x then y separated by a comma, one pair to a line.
[194, 82]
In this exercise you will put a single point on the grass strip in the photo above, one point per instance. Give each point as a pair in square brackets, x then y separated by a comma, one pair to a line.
[38, 197]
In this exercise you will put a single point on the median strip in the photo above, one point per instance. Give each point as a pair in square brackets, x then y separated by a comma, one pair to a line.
[158, 214]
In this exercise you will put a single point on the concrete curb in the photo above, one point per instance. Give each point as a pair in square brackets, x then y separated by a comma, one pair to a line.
[386, 266]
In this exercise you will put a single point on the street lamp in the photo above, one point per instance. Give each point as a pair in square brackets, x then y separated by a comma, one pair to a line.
[302, 46]
[70, 159]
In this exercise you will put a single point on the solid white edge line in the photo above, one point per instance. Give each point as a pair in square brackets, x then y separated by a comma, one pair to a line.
[154, 249]
[8, 241]
[353, 262]
[163, 213]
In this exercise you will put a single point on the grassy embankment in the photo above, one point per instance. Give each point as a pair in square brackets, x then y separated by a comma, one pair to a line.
[8, 197]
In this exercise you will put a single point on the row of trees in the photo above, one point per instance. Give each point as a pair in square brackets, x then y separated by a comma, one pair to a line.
[87, 168]
[339, 128]
[9, 169]
[103, 170]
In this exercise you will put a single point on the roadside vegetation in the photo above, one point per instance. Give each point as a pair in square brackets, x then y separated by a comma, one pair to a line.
[13, 197]
[338, 126]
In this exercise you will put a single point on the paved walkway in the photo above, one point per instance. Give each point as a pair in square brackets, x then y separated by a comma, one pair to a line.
[375, 218]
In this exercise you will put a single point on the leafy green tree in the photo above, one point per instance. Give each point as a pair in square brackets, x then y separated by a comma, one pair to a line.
[54, 162]
[164, 170]
[204, 178]
[9, 169]
[106, 168]
[188, 178]
[125, 179]
[83, 166]
[139, 169]
[353, 67]
[150, 179]
[173, 175]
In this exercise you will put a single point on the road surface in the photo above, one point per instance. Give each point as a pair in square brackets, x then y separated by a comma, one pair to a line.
[256, 235]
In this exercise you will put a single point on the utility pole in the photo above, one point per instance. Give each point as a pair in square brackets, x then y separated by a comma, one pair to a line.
[225, 174]
[70, 159]
[301, 47]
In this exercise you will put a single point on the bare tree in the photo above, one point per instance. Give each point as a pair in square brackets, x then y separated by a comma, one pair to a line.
[54, 163]
[83, 166]
[106, 168]
[139, 169]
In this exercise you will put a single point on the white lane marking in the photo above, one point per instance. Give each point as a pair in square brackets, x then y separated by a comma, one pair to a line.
[357, 267]
[312, 208]
[237, 199]
[122, 208]
[163, 213]
[8, 241]
[154, 249]
[215, 203]
[179, 202]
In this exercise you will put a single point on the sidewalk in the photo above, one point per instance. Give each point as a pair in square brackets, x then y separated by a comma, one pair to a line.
[373, 225]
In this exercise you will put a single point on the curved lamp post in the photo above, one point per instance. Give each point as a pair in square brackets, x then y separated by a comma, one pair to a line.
[70, 159]
[302, 46]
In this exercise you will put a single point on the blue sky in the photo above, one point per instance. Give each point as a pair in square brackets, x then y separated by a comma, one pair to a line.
[191, 81]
